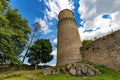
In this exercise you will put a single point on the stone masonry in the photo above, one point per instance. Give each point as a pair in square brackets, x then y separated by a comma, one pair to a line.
[104, 51]
[68, 48]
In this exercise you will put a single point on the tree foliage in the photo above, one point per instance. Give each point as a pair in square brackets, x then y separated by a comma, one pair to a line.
[14, 32]
[40, 51]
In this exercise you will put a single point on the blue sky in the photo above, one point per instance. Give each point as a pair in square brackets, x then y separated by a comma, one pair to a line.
[95, 18]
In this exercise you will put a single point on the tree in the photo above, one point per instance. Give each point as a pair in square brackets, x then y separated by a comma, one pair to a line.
[39, 52]
[14, 33]
[37, 27]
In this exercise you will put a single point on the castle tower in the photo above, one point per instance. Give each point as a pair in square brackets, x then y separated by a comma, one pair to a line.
[68, 48]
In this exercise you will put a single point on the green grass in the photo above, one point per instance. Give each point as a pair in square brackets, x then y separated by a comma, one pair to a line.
[107, 74]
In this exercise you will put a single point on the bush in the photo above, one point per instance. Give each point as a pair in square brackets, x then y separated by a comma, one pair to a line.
[86, 42]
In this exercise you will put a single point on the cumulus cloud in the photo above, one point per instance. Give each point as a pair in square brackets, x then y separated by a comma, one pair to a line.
[55, 41]
[54, 53]
[55, 6]
[53, 64]
[91, 12]
[52, 10]
[44, 25]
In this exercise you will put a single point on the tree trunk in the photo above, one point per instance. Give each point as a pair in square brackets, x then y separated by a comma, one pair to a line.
[36, 65]
[27, 48]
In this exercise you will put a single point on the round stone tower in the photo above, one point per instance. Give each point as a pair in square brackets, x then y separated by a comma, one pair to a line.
[68, 48]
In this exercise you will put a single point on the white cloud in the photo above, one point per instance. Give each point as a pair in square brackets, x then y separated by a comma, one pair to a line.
[100, 22]
[53, 64]
[94, 34]
[54, 53]
[55, 41]
[44, 25]
[91, 12]
[55, 6]
[52, 11]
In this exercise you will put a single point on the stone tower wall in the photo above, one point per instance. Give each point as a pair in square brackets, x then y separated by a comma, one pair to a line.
[68, 49]
[65, 14]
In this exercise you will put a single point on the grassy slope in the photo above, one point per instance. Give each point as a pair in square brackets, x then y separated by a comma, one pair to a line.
[107, 74]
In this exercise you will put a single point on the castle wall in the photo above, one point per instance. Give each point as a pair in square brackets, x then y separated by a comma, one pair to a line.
[68, 48]
[104, 51]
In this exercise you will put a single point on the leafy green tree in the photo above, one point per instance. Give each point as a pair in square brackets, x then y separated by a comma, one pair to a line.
[39, 52]
[14, 33]
[3, 5]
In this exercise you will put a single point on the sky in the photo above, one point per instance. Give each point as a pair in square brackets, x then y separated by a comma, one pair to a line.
[95, 18]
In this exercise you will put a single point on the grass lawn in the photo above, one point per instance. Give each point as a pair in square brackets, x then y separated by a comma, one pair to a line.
[107, 74]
